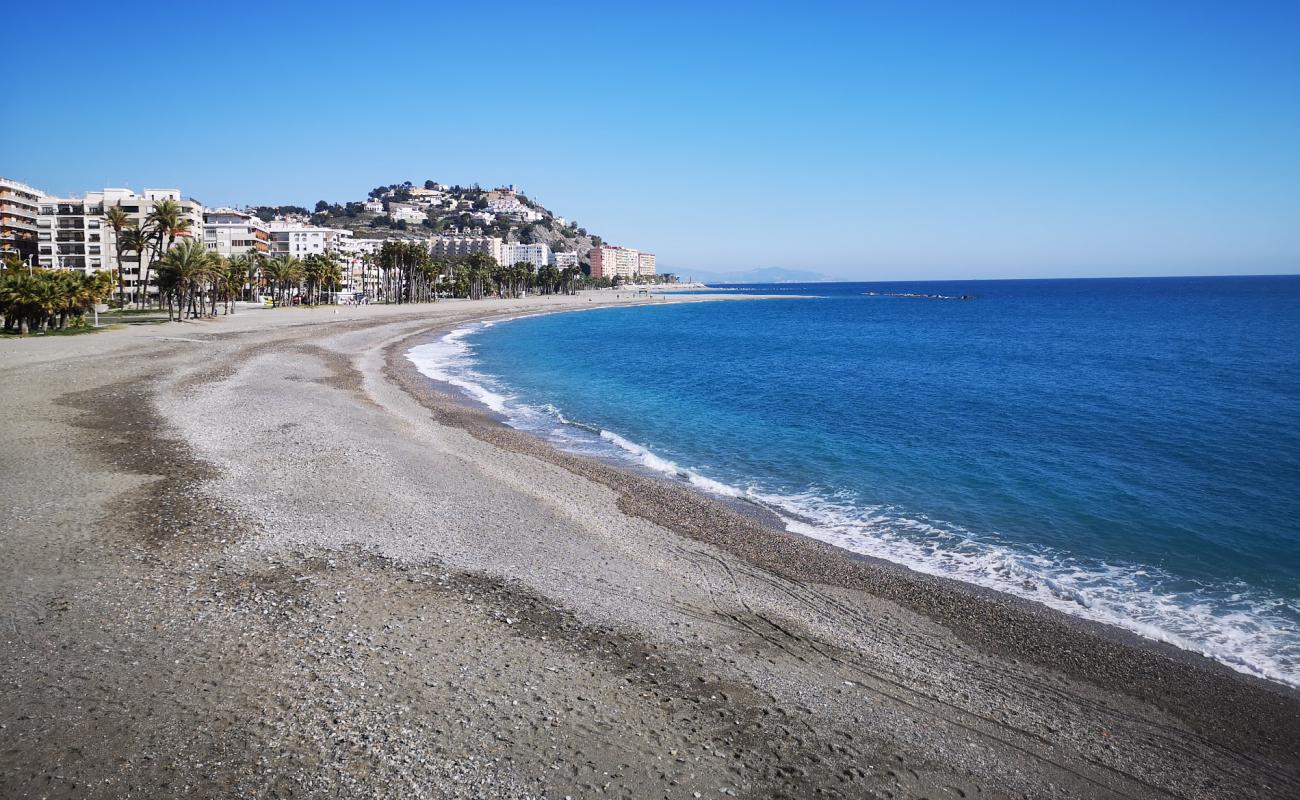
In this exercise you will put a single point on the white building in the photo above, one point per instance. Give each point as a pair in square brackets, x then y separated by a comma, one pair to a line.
[71, 233]
[562, 260]
[229, 232]
[300, 240]
[374, 206]
[539, 255]
[407, 214]
[460, 244]
[608, 261]
[19, 207]
[357, 262]
[510, 206]
[645, 264]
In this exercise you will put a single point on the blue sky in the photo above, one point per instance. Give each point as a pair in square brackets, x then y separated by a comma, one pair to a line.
[892, 140]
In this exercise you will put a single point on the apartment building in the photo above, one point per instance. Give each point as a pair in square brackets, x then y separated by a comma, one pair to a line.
[357, 262]
[563, 260]
[19, 208]
[407, 214]
[71, 233]
[539, 255]
[460, 244]
[300, 240]
[645, 264]
[613, 262]
[229, 232]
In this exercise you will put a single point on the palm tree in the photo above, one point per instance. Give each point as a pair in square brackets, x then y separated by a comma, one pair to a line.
[132, 239]
[167, 220]
[182, 270]
[116, 218]
[240, 271]
[283, 273]
[320, 270]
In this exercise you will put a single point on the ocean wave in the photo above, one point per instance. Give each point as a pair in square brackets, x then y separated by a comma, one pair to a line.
[1243, 627]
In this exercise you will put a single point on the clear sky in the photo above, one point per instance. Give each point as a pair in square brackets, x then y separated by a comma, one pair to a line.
[888, 140]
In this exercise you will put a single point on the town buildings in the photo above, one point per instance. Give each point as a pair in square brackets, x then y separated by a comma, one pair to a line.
[505, 201]
[229, 232]
[608, 261]
[462, 244]
[300, 240]
[71, 233]
[539, 255]
[564, 260]
[19, 207]
[359, 265]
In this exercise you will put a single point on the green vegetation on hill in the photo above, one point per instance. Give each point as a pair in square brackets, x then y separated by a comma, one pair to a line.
[453, 211]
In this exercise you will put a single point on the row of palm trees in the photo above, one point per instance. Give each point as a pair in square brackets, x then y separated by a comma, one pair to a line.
[194, 281]
[479, 275]
[48, 299]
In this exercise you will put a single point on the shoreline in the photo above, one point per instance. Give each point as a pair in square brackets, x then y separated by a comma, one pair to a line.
[1107, 645]
[295, 565]
[772, 520]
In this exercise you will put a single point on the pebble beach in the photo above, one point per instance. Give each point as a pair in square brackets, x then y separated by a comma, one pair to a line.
[263, 556]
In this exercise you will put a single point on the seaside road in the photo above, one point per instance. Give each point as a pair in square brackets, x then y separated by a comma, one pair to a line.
[263, 557]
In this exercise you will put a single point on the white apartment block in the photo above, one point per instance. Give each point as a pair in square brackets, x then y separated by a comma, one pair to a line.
[300, 240]
[407, 214]
[539, 255]
[608, 261]
[645, 264]
[358, 263]
[511, 207]
[563, 260]
[458, 244]
[229, 232]
[71, 233]
[19, 207]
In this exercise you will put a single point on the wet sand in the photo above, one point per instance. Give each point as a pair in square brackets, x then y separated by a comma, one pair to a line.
[262, 556]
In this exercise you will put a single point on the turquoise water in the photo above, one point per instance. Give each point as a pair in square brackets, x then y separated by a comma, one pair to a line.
[1123, 450]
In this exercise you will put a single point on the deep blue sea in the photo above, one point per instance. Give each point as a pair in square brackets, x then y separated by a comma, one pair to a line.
[1125, 450]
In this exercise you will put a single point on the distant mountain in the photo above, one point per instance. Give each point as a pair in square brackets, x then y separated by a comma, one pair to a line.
[760, 275]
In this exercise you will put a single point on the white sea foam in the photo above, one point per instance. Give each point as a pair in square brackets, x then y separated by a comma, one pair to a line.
[1240, 626]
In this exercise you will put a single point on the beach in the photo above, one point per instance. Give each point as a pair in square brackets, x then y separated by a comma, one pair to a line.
[264, 556]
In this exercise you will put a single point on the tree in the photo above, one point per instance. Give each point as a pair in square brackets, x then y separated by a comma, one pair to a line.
[167, 220]
[283, 274]
[319, 271]
[479, 267]
[44, 298]
[116, 218]
[134, 239]
[429, 185]
[322, 206]
[183, 272]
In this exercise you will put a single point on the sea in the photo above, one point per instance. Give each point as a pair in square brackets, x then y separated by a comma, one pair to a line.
[1123, 450]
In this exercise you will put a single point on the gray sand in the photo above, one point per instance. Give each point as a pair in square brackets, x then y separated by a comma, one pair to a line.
[262, 557]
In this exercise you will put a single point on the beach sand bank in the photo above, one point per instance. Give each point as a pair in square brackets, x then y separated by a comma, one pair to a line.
[263, 556]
